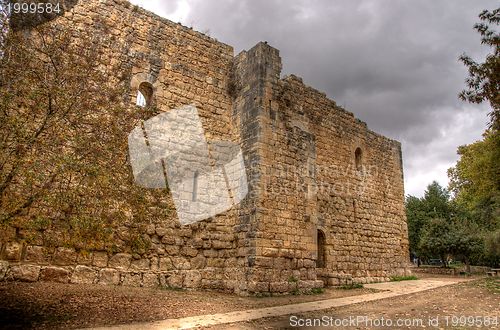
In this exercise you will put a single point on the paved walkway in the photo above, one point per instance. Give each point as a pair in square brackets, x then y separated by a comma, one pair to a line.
[392, 289]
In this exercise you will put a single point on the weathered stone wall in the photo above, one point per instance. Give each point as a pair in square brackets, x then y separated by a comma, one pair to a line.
[309, 182]
[185, 68]
[299, 152]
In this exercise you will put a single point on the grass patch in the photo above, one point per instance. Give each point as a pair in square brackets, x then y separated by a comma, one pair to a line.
[172, 288]
[403, 278]
[313, 291]
[317, 290]
[263, 294]
[491, 284]
[351, 286]
[455, 265]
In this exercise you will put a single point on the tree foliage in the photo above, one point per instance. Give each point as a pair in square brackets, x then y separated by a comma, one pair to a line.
[64, 174]
[435, 238]
[420, 211]
[475, 179]
[441, 227]
[470, 227]
[483, 83]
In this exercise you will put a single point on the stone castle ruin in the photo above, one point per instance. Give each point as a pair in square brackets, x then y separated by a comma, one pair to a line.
[324, 198]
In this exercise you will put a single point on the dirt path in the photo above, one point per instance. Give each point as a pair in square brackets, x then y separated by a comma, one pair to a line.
[386, 290]
[65, 306]
[470, 305]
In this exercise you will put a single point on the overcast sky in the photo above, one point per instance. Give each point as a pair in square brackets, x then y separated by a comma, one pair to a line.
[392, 63]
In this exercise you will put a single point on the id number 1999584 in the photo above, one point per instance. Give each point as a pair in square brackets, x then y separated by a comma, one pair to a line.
[33, 8]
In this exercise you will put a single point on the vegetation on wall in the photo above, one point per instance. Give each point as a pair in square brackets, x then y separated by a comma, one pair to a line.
[64, 173]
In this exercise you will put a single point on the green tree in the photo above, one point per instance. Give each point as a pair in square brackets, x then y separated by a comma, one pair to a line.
[420, 211]
[436, 201]
[475, 179]
[465, 240]
[417, 219]
[483, 82]
[492, 246]
[435, 239]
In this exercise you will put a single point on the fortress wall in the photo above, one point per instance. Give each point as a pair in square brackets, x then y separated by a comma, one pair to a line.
[299, 153]
[184, 67]
[310, 182]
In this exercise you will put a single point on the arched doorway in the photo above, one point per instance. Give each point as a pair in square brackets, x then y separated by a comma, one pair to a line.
[321, 240]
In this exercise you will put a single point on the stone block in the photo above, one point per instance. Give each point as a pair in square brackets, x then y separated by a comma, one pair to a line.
[216, 244]
[150, 280]
[132, 279]
[36, 254]
[184, 232]
[198, 262]
[174, 280]
[197, 243]
[230, 284]
[140, 264]
[171, 250]
[287, 253]
[100, 259]
[264, 262]
[210, 253]
[278, 287]
[84, 258]
[180, 263]
[230, 262]
[189, 251]
[64, 256]
[166, 264]
[25, 273]
[192, 279]
[168, 240]
[308, 285]
[281, 263]
[109, 276]
[333, 281]
[154, 263]
[4, 266]
[255, 286]
[120, 261]
[150, 229]
[83, 275]
[55, 274]
[212, 284]
[215, 262]
[308, 263]
[13, 251]
[270, 252]
[162, 231]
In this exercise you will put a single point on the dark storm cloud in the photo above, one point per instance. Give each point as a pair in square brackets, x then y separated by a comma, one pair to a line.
[392, 63]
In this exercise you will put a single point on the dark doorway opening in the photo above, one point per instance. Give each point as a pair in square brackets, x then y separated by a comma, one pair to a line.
[321, 261]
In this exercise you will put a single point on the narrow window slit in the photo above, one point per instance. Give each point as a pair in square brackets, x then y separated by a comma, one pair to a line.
[195, 186]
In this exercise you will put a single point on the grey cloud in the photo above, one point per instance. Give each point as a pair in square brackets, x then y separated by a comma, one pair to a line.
[392, 63]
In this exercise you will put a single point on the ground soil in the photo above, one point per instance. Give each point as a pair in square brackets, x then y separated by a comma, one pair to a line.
[67, 306]
[479, 298]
